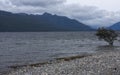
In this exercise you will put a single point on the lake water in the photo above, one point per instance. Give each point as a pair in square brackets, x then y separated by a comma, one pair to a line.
[19, 48]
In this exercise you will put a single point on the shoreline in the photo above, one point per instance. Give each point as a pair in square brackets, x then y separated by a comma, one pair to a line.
[56, 60]
[107, 63]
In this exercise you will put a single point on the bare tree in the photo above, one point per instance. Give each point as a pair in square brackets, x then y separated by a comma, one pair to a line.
[107, 34]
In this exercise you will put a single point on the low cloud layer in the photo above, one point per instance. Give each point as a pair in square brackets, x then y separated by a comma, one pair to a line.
[34, 3]
[89, 15]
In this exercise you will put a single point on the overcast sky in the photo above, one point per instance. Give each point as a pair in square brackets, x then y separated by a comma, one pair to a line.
[90, 12]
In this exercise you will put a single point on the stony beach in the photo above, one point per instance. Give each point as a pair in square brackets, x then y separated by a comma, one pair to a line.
[107, 63]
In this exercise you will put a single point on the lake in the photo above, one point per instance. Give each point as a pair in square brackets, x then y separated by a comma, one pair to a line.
[20, 48]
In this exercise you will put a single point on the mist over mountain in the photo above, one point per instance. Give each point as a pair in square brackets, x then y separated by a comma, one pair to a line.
[115, 26]
[21, 22]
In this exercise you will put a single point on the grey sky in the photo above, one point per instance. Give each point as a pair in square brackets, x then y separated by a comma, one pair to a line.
[90, 12]
[110, 5]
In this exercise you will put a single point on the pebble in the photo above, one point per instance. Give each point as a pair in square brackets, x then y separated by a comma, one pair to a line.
[107, 63]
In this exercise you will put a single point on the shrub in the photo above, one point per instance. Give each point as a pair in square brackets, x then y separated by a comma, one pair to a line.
[107, 34]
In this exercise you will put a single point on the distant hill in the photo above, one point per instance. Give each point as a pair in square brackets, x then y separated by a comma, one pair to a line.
[115, 26]
[21, 22]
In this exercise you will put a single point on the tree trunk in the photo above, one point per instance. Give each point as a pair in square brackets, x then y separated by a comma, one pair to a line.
[111, 43]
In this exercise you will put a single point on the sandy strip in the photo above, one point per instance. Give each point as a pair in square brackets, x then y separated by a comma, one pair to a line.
[107, 63]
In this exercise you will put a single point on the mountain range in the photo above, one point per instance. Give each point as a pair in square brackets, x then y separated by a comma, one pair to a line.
[115, 26]
[21, 22]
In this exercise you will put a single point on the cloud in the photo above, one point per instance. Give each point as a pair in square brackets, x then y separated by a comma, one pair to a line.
[89, 15]
[108, 18]
[30, 6]
[5, 4]
[42, 3]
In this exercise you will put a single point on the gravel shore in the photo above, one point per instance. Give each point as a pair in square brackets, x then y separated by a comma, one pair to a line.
[107, 63]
